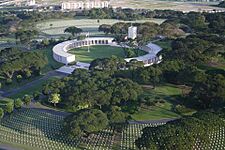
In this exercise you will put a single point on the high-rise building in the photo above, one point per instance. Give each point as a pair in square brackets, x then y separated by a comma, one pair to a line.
[132, 32]
[85, 4]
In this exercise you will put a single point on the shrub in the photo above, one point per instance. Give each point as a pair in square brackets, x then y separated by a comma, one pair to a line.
[27, 73]
[36, 95]
[181, 109]
[9, 108]
[18, 103]
[1, 113]
[8, 81]
[27, 99]
[19, 78]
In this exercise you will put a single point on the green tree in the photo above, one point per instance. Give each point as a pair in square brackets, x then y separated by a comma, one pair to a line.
[18, 103]
[73, 30]
[27, 99]
[19, 78]
[54, 98]
[1, 113]
[36, 95]
[105, 28]
[9, 108]
[25, 36]
[209, 94]
[85, 122]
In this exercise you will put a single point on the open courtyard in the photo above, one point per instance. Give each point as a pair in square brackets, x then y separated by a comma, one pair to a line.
[83, 55]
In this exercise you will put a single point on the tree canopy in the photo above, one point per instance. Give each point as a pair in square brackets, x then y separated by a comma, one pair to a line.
[182, 134]
[73, 30]
[85, 122]
[15, 61]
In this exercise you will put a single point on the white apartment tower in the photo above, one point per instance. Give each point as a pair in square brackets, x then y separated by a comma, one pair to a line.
[84, 4]
[132, 32]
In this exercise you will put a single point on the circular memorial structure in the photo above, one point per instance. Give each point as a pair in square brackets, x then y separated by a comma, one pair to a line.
[61, 51]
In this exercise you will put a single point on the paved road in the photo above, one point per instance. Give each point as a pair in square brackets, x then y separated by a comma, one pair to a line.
[30, 84]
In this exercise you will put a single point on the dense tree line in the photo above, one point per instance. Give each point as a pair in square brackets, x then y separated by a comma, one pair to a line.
[85, 89]
[146, 31]
[209, 93]
[14, 62]
[183, 133]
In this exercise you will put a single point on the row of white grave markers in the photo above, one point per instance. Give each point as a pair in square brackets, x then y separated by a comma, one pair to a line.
[42, 130]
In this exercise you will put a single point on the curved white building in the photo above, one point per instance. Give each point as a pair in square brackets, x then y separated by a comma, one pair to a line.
[151, 57]
[61, 55]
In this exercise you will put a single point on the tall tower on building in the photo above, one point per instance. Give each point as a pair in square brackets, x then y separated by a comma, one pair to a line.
[132, 32]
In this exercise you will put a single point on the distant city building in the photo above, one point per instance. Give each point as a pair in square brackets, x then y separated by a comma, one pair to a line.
[31, 3]
[132, 32]
[85, 4]
[18, 2]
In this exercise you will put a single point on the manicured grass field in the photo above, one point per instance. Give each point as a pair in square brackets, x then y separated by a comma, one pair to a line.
[164, 43]
[99, 51]
[57, 27]
[166, 92]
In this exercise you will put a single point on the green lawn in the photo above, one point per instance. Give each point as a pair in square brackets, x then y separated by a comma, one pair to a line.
[167, 93]
[99, 51]
[216, 65]
[166, 43]
[37, 87]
